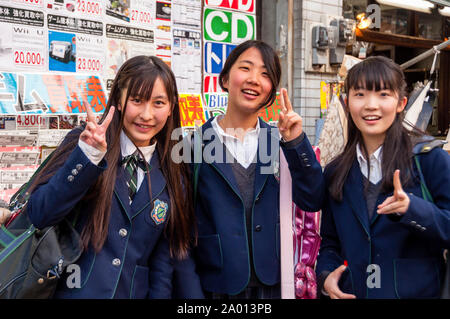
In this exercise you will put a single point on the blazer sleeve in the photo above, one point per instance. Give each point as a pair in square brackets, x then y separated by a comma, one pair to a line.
[186, 282]
[307, 178]
[51, 202]
[432, 220]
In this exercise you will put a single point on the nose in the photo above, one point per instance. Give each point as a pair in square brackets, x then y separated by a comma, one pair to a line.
[253, 77]
[147, 111]
[371, 102]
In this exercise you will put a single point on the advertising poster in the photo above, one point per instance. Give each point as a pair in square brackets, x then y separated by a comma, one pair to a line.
[228, 26]
[187, 60]
[22, 40]
[163, 31]
[61, 51]
[216, 104]
[122, 43]
[51, 93]
[187, 14]
[191, 110]
[118, 9]
[240, 5]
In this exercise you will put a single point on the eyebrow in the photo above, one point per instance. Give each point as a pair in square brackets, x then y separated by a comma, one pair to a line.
[160, 97]
[250, 62]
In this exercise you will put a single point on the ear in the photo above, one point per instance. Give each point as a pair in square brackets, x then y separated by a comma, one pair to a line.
[225, 82]
[401, 104]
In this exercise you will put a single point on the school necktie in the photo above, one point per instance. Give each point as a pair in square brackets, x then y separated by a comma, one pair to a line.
[130, 164]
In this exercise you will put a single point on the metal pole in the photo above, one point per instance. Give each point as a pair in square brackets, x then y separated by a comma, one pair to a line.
[425, 55]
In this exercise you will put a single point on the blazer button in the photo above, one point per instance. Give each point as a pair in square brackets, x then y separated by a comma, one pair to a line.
[74, 172]
[116, 262]
[79, 167]
[123, 232]
[70, 178]
[258, 228]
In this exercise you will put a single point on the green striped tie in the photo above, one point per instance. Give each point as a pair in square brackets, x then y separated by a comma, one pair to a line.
[130, 164]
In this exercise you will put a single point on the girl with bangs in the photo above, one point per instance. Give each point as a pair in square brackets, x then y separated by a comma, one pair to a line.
[131, 202]
[381, 236]
[237, 193]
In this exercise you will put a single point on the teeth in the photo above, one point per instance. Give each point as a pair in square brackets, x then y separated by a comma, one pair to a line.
[251, 92]
[143, 126]
[370, 118]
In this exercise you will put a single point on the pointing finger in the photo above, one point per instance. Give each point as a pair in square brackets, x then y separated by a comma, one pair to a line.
[397, 183]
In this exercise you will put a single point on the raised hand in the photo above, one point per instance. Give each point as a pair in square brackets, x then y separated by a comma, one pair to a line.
[94, 133]
[290, 123]
[331, 285]
[398, 202]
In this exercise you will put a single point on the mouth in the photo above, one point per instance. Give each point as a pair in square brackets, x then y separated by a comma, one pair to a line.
[143, 126]
[371, 118]
[250, 92]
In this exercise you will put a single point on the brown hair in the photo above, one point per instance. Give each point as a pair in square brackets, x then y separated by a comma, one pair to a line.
[138, 76]
[375, 73]
[271, 62]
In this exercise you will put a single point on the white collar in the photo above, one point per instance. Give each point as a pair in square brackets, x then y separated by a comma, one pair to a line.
[376, 156]
[127, 147]
[219, 129]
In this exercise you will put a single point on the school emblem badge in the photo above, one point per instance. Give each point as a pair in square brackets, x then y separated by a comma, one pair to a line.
[159, 211]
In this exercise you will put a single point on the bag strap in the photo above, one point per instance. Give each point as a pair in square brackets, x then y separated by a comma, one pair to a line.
[198, 155]
[20, 198]
[425, 192]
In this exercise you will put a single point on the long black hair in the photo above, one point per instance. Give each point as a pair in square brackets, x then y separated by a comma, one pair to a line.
[137, 76]
[375, 73]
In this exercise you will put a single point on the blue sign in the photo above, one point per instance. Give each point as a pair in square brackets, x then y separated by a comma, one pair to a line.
[215, 56]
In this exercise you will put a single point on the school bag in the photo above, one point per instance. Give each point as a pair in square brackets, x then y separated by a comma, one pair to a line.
[32, 260]
[424, 147]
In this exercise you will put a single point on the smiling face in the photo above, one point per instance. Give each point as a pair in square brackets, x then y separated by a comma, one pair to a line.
[373, 112]
[247, 82]
[143, 119]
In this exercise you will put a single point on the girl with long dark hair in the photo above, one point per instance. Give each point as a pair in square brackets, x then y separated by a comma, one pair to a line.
[380, 237]
[131, 203]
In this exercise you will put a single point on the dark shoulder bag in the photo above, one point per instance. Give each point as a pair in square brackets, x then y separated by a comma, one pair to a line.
[32, 260]
[445, 293]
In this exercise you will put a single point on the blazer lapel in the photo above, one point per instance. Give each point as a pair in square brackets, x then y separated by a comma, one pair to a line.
[353, 192]
[158, 183]
[215, 153]
[266, 141]
[121, 190]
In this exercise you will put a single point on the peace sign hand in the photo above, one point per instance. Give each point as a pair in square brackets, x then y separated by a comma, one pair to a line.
[94, 133]
[398, 202]
[289, 123]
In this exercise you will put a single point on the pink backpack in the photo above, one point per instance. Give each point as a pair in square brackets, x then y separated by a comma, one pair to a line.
[306, 248]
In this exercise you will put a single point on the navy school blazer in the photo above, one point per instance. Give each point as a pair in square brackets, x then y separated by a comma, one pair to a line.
[222, 253]
[134, 261]
[389, 256]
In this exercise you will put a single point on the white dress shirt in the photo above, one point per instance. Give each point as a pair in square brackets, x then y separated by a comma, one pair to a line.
[243, 151]
[375, 164]
[126, 147]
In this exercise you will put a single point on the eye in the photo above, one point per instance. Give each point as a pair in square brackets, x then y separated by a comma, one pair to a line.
[160, 103]
[244, 68]
[135, 100]
[265, 74]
